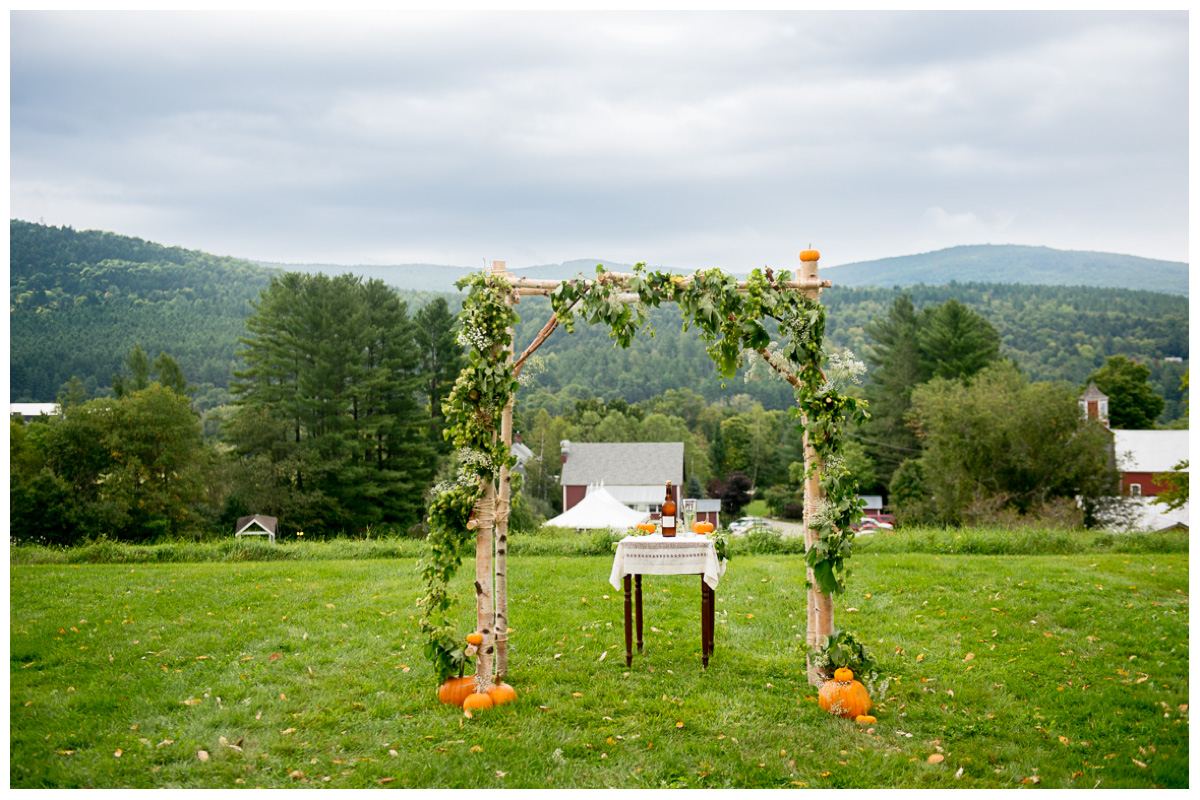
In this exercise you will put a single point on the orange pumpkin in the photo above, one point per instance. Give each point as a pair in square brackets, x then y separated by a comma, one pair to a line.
[455, 690]
[475, 638]
[477, 701]
[810, 255]
[704, 528]
[844, 696]
[502, 693]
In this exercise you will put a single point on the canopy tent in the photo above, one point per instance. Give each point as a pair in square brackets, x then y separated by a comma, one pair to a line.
[599, 510]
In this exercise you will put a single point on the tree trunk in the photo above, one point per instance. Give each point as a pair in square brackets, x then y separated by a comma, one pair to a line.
[820, 605]
[485, 613]
[502, 509]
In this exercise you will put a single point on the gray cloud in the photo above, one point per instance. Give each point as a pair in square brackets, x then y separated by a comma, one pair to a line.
[686, 139]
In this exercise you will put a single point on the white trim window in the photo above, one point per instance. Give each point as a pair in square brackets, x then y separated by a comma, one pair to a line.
[1135, 490]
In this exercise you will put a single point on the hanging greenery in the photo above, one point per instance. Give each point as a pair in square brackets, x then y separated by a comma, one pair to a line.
[472, 410]
[730, 322]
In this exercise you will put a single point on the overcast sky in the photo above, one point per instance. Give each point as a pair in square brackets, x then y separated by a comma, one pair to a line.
[688, 140]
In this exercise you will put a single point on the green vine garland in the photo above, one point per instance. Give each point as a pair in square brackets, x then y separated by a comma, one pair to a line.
[472, 408]
[730, 323]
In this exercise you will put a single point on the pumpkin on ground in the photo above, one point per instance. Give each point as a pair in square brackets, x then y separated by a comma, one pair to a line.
[477, 701]
[455, 690]
[844, 696]
[502, 693]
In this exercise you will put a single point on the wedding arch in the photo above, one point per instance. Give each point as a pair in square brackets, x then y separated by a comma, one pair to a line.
[728, 315]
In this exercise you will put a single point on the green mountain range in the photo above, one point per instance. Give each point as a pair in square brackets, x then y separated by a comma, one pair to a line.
[1010, 263]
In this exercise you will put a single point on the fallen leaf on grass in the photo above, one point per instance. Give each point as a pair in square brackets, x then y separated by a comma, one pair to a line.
[936, 758]
[165, 742]
[678, 724]
[295, 774]
[274, 656]
[225, 743]
[386, 780]
[194, 701]
[64, 752]
[202, 755]
[576, 694]
[958, 774]
[117, 753]
[288, 731]
[1035, 779]
[1139, 763]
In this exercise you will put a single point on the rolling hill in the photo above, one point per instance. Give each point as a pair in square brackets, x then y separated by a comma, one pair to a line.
[1010, 263]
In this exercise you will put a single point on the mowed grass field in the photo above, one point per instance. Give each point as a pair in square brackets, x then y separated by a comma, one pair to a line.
[1063, 671]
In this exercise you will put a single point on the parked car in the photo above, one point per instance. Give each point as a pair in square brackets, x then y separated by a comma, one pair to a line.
[747, 524]
[871, 524]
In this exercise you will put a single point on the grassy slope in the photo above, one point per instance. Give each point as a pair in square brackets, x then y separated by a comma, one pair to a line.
[1076, 677]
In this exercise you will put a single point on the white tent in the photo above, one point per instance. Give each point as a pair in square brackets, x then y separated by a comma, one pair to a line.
[599, 510]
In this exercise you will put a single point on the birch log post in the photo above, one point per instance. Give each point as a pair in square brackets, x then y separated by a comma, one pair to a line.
[503, 505]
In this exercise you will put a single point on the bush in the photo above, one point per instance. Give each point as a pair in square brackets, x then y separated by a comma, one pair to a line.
[764, 540]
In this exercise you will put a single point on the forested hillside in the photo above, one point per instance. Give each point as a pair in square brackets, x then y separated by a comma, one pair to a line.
[1055, 333]
[81, 300]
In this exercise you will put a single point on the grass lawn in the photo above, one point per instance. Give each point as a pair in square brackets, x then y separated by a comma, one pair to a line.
[1062, 670]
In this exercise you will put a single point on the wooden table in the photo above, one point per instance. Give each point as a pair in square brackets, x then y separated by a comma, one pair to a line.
[656, 555]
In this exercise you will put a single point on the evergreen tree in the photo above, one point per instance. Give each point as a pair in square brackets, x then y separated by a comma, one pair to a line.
[1132, 403]
[897, 369]
[955, 341]
[441, 360]
[331, 397]
[137, 365]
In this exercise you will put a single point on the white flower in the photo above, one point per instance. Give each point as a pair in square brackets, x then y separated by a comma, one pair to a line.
[841, 370]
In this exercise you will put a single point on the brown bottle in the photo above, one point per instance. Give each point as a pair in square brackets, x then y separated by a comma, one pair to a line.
[668, 513]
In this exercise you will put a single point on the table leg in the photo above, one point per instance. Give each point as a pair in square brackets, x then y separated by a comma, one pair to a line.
[712, 619]
[703, 622]
[637, 594]
[628, 623]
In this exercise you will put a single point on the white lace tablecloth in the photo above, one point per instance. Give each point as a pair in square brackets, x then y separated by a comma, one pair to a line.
[654, 555]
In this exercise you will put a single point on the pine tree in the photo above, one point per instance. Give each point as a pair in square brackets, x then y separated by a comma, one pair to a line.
[956, 341]
[441, 360]
[333, 362]
[897, 370]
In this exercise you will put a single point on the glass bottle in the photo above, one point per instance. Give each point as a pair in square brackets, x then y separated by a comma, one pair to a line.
[668, 513]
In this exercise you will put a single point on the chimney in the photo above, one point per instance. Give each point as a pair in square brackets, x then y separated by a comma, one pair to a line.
[566, 448]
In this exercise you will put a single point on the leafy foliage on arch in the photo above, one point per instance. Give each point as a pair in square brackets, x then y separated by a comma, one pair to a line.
[727, 318]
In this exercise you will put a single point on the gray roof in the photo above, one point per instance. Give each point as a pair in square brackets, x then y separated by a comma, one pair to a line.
[625, 464]
[703, 504]
[1092, 393]
[269, 524]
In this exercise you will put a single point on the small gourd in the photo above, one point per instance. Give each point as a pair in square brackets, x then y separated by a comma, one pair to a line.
[810, 255]
[844, 696]
[477, 701]
[455, 690]
[475, 638]
[502, 693]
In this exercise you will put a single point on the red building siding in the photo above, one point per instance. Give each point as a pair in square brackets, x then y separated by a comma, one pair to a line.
[1144, 479]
